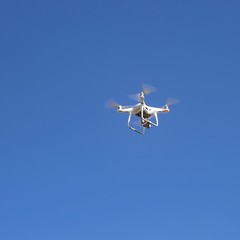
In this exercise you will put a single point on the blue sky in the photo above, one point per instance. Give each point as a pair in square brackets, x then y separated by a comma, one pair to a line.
[71, 169]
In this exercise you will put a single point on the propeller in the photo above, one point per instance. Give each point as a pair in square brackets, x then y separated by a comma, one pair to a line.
[146, 89]
[171, 101]
[113, 104]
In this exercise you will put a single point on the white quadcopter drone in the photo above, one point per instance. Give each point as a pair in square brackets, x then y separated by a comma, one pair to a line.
[141, 110]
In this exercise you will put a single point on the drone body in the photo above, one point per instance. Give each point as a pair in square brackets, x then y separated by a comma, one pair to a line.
[143, 111]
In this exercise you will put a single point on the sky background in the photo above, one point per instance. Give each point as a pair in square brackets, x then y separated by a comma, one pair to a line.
[70, 168]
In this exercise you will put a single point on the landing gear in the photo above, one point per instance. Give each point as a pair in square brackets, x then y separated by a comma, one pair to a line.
[134, 129]
[145, 122]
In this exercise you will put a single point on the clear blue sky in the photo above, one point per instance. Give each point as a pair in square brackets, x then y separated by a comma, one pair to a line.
[71, 169]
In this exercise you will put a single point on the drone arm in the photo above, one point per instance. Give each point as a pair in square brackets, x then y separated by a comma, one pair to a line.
[164, 109]
[124, 110]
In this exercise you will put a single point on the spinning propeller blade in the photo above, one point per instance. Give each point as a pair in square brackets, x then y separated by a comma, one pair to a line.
[171, 101]
[113, 104]
[135, 97]
[147, 89]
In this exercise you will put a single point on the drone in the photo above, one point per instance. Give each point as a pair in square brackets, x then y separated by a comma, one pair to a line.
[142, 110]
